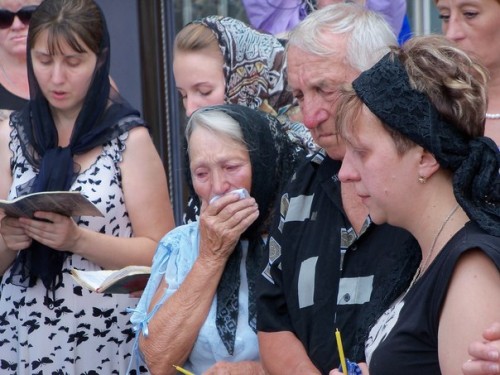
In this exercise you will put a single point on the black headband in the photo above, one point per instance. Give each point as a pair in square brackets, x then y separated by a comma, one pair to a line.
[386, 90]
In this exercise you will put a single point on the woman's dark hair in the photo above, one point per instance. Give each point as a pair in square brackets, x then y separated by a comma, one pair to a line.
[74, 21]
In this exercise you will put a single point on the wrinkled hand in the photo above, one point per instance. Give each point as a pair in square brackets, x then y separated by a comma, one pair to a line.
[14, 235]
[56, 231]
[485, 354]
[222, 223]
[236, 368]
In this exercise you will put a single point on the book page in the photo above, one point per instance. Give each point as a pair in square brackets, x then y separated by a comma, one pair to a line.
[91, 279]
[126, 280]
[127, 284]
[68, 203]
[129, 270]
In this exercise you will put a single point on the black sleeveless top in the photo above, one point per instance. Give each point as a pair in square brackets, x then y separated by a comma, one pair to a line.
[411, 346]
[10, 101]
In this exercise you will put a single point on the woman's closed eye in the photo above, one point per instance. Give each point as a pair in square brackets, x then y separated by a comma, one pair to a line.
[43, 59]
[206, 93]
[73, 62]
[231, 168]
[200, 175]
[360, 153]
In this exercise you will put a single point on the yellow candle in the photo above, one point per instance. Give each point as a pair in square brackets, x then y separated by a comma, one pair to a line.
[183, 371]
[341, 351]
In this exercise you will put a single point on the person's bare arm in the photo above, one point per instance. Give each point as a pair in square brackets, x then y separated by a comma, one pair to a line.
[7, 256]
[236, 368]
[175, 326]
[283, 350]
[472, 301]
[148, 203]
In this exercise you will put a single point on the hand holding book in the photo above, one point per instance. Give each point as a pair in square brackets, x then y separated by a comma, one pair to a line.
[68, 203]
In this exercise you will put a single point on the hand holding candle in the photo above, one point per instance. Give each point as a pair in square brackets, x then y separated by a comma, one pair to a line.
[341, 351]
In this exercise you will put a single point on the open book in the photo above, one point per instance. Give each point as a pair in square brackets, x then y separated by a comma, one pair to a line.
[69, 203]
[127, 280]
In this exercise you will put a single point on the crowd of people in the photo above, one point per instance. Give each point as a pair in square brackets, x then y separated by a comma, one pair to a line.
[329, 265]
[338, 178]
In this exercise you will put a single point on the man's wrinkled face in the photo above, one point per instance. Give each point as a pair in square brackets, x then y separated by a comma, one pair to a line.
[315, 82]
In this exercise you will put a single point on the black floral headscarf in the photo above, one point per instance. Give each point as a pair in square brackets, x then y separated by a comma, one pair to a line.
[475, 162]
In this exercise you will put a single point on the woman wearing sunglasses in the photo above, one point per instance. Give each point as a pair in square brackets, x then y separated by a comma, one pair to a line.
[15, 16]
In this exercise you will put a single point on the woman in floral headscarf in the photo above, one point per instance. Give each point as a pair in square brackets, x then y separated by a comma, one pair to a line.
[222, 60]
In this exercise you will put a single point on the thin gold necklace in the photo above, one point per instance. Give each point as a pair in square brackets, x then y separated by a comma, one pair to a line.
[425, 263]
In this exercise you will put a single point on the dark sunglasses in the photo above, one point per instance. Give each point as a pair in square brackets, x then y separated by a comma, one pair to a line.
[24, 14]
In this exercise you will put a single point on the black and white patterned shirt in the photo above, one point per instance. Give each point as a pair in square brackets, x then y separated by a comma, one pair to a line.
[321, 275]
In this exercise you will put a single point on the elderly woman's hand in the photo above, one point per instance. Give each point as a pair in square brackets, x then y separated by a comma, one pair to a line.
[222, 223]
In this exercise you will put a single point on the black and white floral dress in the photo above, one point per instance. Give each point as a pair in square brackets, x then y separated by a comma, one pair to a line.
[73, 331]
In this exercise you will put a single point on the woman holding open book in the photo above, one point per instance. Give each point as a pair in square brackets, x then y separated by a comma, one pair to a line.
[78, 134]
[199, 307]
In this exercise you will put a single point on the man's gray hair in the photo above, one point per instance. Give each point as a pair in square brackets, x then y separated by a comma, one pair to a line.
[369, 35]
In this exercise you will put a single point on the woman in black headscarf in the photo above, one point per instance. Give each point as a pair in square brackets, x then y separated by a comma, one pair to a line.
[77, 133]
[198, 309]
[416, 154]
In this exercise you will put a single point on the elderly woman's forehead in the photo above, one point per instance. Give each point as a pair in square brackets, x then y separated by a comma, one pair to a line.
[200, 137]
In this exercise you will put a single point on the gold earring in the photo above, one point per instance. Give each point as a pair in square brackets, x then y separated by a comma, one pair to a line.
[422, 179]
